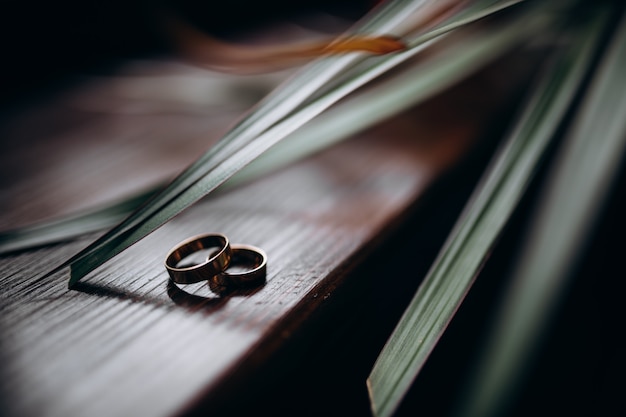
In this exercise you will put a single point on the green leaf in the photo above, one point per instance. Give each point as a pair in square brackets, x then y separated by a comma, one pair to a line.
[72, 226]
[578, 186]
[481, 222]
[280, 114]
[470, 50]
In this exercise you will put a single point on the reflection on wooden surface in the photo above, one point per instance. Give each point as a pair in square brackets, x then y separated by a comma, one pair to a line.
[124, 342]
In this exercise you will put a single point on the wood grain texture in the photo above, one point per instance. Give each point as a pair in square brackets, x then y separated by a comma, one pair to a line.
[127, 341]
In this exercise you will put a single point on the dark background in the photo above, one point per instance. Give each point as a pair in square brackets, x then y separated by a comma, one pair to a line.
[44, 43]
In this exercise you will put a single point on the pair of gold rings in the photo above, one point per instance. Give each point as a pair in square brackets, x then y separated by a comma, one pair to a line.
[247, 263]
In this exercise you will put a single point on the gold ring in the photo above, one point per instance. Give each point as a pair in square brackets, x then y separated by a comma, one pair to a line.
[253, 259]
[214, 265]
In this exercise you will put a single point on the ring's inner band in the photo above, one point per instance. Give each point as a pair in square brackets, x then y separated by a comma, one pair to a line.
[197, 257]
[201, 244]
[243, 261]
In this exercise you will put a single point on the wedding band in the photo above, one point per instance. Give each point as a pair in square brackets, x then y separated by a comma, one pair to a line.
[214, 265]
[245, 256]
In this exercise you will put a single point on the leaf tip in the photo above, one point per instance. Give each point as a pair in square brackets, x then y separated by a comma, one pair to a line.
[75, 276]
[370, 395]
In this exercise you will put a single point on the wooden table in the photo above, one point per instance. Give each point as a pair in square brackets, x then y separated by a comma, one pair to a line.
[349, 233]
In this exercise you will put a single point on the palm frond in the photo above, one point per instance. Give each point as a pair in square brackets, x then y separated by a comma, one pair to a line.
[291, 106]
[482, 221]
[469, 51]
[577, 188]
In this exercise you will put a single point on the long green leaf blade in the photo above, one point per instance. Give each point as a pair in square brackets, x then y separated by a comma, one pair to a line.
[74, 225]
[235, 151]
[578, 187]
[388, 98]
[278, 105]
[473, 236]
[471, 50]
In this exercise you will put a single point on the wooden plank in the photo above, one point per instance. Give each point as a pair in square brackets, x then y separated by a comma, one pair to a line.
[129, 342]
